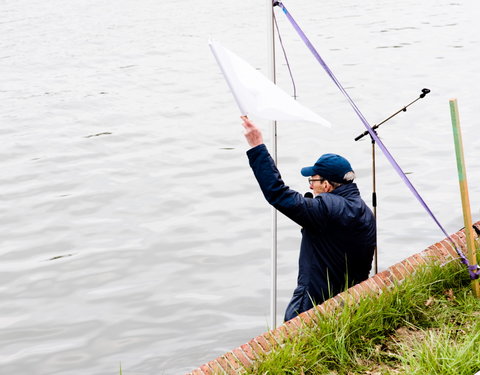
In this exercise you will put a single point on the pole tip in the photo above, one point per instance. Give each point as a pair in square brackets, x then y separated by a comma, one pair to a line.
[424, 92]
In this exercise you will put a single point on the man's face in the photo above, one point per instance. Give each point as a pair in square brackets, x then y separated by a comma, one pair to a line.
[319, 185]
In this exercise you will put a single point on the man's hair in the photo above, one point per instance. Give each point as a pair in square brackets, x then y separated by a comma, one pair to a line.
[348, 179]
[334, 184]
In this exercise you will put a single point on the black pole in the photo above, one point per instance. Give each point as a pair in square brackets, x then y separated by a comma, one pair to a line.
[374, 180]
[403, 109]
[374, 202]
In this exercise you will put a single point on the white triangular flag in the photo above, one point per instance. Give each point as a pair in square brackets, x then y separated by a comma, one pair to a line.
[255, 94]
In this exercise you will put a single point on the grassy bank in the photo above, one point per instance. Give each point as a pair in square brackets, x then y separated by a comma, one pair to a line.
[427, 325]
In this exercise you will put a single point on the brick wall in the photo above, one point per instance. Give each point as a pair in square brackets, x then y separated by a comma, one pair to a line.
[244, 356]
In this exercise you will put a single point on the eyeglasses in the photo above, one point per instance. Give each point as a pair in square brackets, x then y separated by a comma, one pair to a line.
[310, 180]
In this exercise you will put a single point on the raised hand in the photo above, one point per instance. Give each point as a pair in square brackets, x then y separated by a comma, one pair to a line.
[252, 133]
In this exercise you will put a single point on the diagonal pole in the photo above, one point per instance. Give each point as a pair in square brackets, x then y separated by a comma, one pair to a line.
[462, 179]
[472, 269]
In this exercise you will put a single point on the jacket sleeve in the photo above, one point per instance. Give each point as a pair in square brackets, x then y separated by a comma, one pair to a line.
[304, 211]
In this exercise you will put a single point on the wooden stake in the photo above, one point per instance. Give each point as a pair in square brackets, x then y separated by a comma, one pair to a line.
[462, 179]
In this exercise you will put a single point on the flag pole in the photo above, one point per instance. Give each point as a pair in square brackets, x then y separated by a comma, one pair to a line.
[273, 125]
[462, 179]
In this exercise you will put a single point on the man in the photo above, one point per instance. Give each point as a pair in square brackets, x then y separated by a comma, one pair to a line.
[338, 229]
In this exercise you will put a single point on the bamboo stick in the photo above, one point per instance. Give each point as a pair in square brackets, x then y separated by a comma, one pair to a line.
[462, 179]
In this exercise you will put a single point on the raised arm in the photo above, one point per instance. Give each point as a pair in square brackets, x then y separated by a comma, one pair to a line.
[304, 211]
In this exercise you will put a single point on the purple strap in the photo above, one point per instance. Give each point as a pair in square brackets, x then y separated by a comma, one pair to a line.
[473, 270]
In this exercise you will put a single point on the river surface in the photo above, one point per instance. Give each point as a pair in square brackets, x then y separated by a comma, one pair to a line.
[133, 231]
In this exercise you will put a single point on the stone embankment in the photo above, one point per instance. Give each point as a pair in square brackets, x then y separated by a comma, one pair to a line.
[235, 361]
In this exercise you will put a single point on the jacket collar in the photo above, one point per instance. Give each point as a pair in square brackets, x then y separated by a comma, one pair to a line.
[347, 191]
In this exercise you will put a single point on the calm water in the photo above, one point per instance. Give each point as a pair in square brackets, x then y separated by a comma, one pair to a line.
[133, 231]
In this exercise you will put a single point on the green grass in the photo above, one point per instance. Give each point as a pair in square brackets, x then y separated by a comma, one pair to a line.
[426, 325]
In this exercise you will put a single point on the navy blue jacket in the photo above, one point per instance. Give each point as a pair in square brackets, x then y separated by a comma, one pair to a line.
[338, 234]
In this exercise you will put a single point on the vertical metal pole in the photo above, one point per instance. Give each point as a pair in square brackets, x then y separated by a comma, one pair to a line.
[273, 151]
[374, 204]
[462, 179]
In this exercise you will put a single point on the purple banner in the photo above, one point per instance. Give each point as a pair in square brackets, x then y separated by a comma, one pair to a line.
[473, 270]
